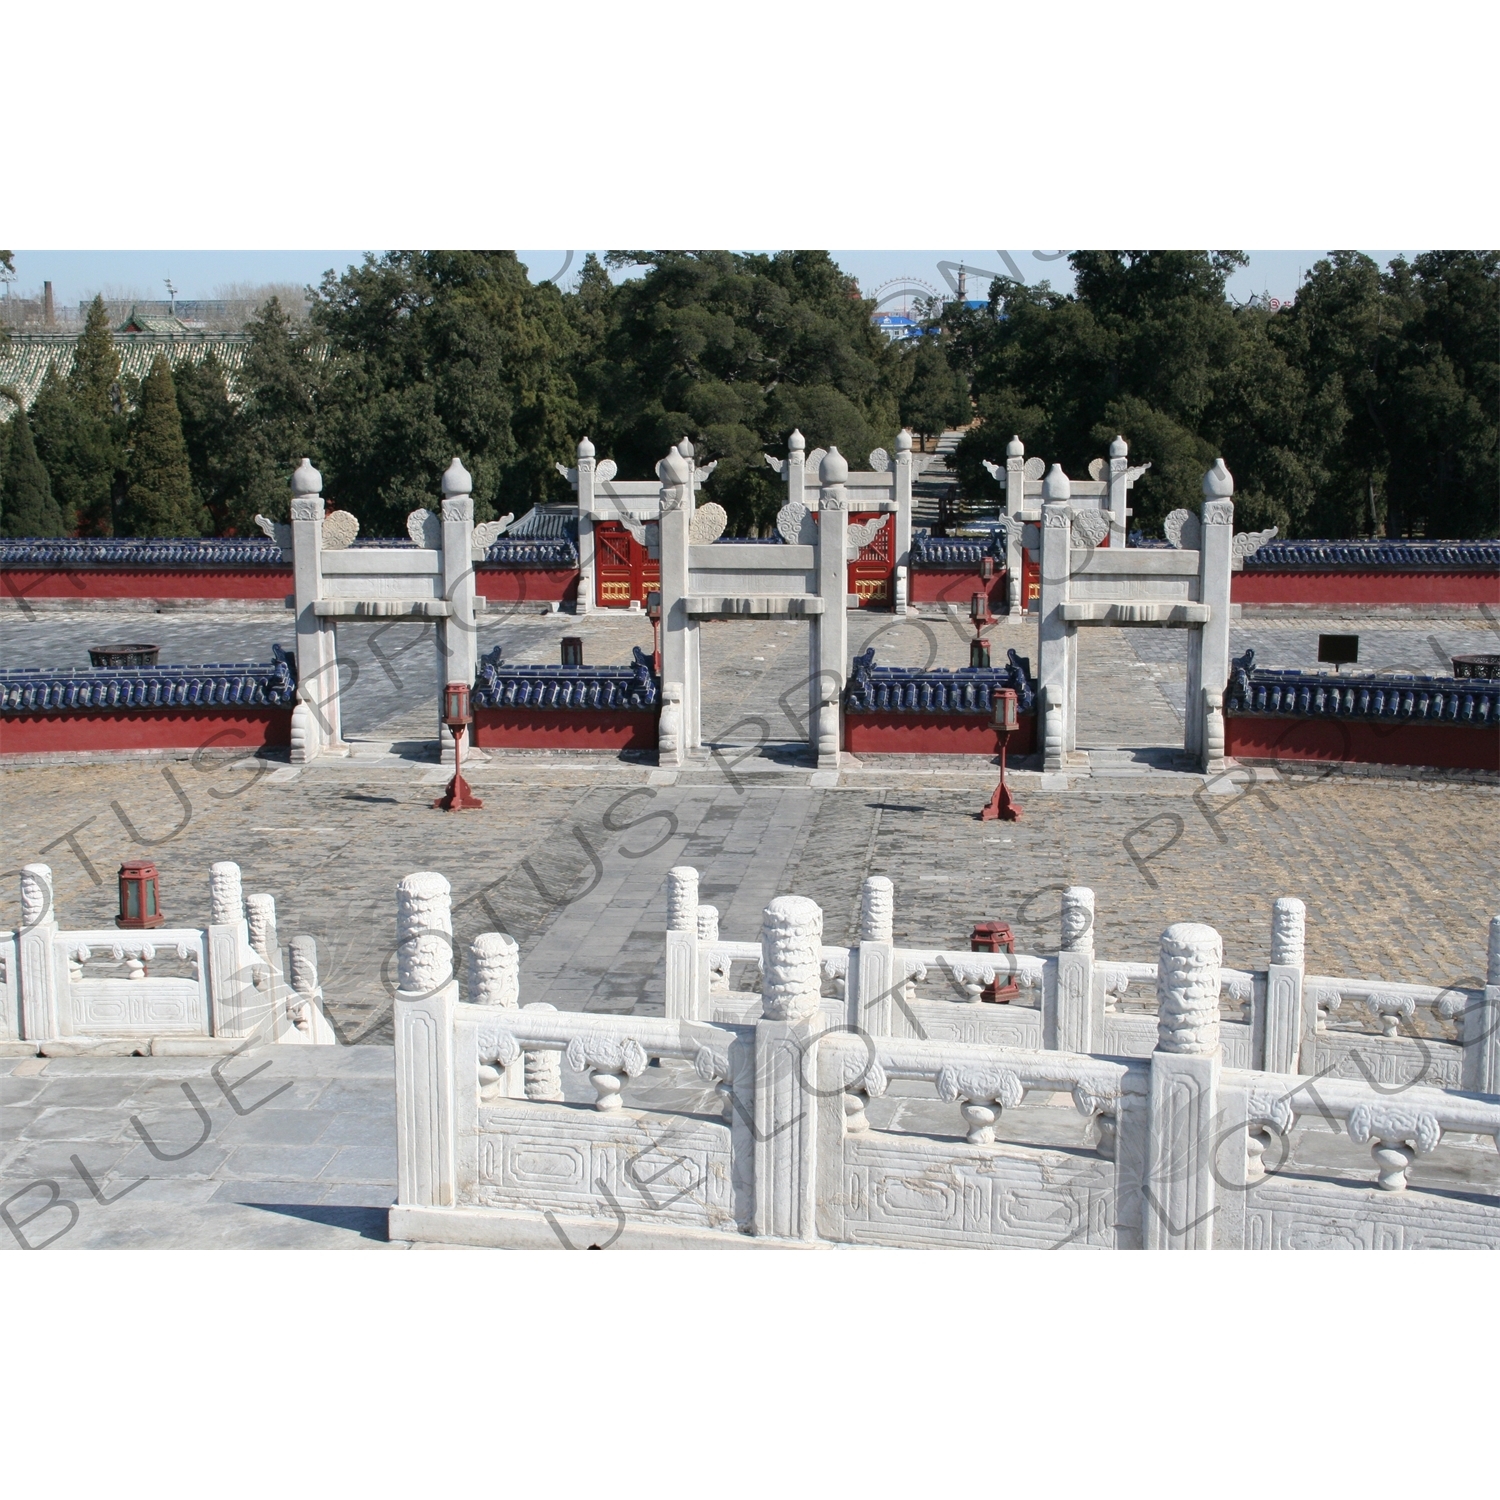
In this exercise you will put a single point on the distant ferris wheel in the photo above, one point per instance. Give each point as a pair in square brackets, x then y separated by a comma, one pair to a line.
[902, 288]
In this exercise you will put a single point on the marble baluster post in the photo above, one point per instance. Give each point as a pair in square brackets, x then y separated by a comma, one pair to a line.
[832, 626]
[41, 1003]
[317, 642]
[1015, 503]
[1185, 1071]
[1053, 634]
[457, 634]
[872, 964]
[1208, 656]
[1119, 491]
[1481, 1026]
[1279, 1044]
[231, 960]
[684, 999]
[905, 468]
[495, 982]
[786, 1108]
[679, 658]
[1073, 995]
[424, 1009]
[585, 474]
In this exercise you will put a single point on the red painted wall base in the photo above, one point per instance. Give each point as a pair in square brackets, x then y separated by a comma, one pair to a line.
[534, 585]
[954, 586]
[564, 729]
[147, 583]
[1448, 747]
[933, 734]
[1365, 586]
[150, 729]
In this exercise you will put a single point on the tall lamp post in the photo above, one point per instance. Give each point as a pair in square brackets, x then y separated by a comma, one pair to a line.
[1007, 721]
[457, 717]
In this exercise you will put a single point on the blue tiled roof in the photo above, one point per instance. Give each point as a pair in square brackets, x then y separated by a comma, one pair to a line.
[1314, 555]
[911, 690]
[270, 684]
[558, 552]
[500, 685]
[1391, 697]
[957, 551]
[140, 552]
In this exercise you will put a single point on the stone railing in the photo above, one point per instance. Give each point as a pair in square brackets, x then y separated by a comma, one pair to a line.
[1387, 697]
[270, 684]
[1316, 556]
[67, 992]
[786, 1127]
[501, 685]
[911, 690]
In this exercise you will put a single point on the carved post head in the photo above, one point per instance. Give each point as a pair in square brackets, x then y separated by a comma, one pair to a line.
[834, 469]
[877, 909]
[682, 899]
[674, 472]
[226, 899]
[1187, 989]
[1288, 931]
[36, 894]
[424, 932]
[791, 951]
[456, 481]
[585, 449]
[796, 443]
[260, 915]
[304, 963]
[1492, 969]
[1015, 448]
[708, 924]
[1119, 448]
[1218, 483]
[306, 480]
[903, 441]
[1057, 485]
[494, 970]
[1077, 919]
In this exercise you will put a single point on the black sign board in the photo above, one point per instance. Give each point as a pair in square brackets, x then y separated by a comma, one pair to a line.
[1338, 650]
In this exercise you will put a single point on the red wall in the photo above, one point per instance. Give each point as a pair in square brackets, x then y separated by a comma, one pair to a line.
[147, 583]
[1448, 747]
[146, 729]
[1365, 586]
[564, 729]
[954, 586]
[933, 734]
[541, 585]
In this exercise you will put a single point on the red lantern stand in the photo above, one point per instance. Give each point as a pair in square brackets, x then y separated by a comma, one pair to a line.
[995, 937]
[140, 898]
[1007, 721]
[457, 717]
[653, 613]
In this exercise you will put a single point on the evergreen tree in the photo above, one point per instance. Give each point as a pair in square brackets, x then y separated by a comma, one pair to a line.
[937, 396]
[160, 500]
[219, 447]
[95, 378]
[82, 452]
[26, 504]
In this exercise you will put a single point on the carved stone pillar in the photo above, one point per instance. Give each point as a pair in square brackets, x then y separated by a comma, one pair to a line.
[1015, 503]
[785, 1062]
[231, 960]
[1069, 1019]
[679, 659]
[1185, 1068]
[683, 999]
[1283, 1027]
[1481, 1026]
[1052, 629]
[425, 996]
[872, 965]
[495, 980]
[457, 634]
[832, 626]
[1208, 665]
[41, 1004]
[905, 469]
[584, 476]
[317, 648]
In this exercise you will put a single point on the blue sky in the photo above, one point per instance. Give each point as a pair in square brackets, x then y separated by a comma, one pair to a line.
[78, 274]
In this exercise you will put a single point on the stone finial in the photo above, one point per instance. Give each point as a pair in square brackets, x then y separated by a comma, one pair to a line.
[877, 909]
[685, 447]
[674, 468]
[1218, 483]
[834, 469]
[1492, 969]
[1077, 919]
[903, 441]
[456, 480]
[424, 932]
[260, 918]
[796, 443]
[226, 901]
[1187, 988]
[585, 448]
[36, 894]
[494, 970]
[1015, 448]
[708, 924]
[306, 480]
[1119, 448]
[791, 952]
[1288, 931]
[682, 899]
[1056, 485]
[304, 964]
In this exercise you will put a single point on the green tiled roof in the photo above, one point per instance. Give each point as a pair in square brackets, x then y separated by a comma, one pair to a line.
[25, 358]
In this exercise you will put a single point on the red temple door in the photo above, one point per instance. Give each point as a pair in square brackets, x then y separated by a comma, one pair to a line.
[622, 569]
[872, 574]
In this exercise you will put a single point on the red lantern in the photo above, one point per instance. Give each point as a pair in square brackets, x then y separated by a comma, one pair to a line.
[1007, 721]
[457, 717]
[995, 937]
[140, 898]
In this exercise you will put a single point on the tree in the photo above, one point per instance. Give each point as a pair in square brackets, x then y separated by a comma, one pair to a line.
[94, 379]
[221, 453]
[160, 500]
[26, 504]
[937, 396]
[734, 351]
